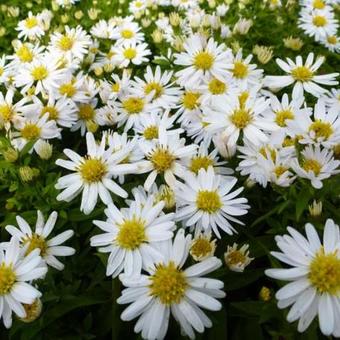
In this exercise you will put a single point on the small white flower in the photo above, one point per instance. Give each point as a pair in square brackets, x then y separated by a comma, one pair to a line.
[237, 259]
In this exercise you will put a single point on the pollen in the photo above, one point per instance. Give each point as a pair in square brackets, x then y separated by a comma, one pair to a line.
[168, 284]
[240, 70]
[39, 73]
[36, 242]
[321, 129]
[190, 100]
[7, 278]
[204, 60]
[65, 43]
[241, 118]
[130, 53]
[131, 234]
[282, 116]
[154, 86]
[86, 112]
[200, 162]
[162, 159]
[312, 165]
[133, 105]
[6, 112]
[53, 113]
[92, 170]
[319, 21]
[127, 34]
[151, 132]
[324, 273]
[67, 90]
[31, 22]
[216, 86]
[302, 73]
[24, 54]
[208, 201]
[30, 131]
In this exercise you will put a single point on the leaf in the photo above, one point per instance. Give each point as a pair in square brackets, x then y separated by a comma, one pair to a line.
[301, 203]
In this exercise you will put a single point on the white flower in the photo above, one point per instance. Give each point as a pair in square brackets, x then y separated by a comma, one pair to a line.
[206, 202]
[131, 53]
[16, 270]
[127, 31]
[314, 276]
[49, 249]
[31, 27]
[237, 259]
[168, 288]
[202, 247]
[302, 75]
[131, 234]
[92, 174]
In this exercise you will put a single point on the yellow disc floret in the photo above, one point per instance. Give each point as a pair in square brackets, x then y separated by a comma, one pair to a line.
[151, 132]
[39, 73]
[130, 53]
[319, 21]
[7, 278]
[312, 165]
[282, 116]
[241, 118]
[190, 100]
[208, 201]
[154, 86]
[162, 159]
[53, 113]
[65, 43]
[86, 112]
[131, 234]
[92, 170]
[30, 131]
[133, 105]
[321, 129]
[200, 162]
[240, 70]
[216, 86]
[302, 73]
[204, 60]
[36, 242]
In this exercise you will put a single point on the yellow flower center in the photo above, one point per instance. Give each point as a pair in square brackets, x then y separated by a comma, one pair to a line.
[67, 90]
[130, 53]
[131, 234]
[235, 257]
[302, 73]
[241, 118]
[312, 165]
[240, 70]
[162, 159]
[208, 201]
[151, 132]
[31, 22]
[288, 141]
[39, 73]
[127, 34]
[92, 170]
[1, 71]
[133, 105]
[332, 39]
[280, 170]
[168, 284]
[324, 273]
[65, 43]
[7, 278]
[319, 4]
[156, 87]
[272, 152]
[216, 86]
[201, 247]
[319, 21]
[115, 87]
[36, 242]
[321, 129]
[86, 112]
[53, 113]
[30, 131]
[167, 195]
[6, 112]
[200, 162]
[33, 311]
[282, 116]
[190, 100]
[24, 54]
[203, 60]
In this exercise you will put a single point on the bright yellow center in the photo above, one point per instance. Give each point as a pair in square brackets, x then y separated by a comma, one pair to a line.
[115, 87]
[280, 170]
[200, 162]
[241, 118]
[67, 90]
[86, 112]
[53, 113]
[168, 284]
[30, 131]
[324, 273]
[127, 34]
[240, 70]
[302, 73]
[319, 21]
[24, 54]
[133, 105]
[235, 257]
[7, 278]
[332, 39]
[203, 60]
[65, 43]
[151, 132]
[131, 234]
[312, 165]
[282, 116]
[190, 100]
[216, 86]
[6, 112]
[36, 242]
[319, 4]
[156, 87]
[31, 22]
[208, 201]
[201, 247]
[321, 129]
[92, 170]
[39, 73]
[130, 53]
[162, 159]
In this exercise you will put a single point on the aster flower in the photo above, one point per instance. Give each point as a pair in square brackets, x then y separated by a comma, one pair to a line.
[131, 53]
[237, 259]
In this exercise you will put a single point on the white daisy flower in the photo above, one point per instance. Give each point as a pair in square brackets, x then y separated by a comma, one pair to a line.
[92, 174]
[131, 234]
[302, 75]
[168, 288]
[131, 53]
[119, 88]
[206, 202]
[127, 31]
[25, 53]
[16, 273]
[32, 27]
[332, 42]
[49, 249]
[314, 277]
